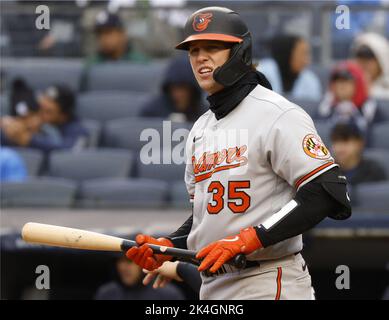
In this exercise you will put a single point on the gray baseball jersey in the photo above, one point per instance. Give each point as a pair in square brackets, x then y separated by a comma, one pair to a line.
[245, 167]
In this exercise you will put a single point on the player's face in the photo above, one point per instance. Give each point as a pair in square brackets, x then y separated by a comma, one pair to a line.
[205, 56]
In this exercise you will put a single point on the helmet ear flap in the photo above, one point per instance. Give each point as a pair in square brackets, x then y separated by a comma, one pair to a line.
[247, 55]
[242, 51]
[237, 65]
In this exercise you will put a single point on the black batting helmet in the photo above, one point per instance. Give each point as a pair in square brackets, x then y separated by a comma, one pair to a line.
[222, 24]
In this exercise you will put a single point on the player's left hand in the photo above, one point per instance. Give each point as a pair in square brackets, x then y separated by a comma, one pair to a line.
[219, 252]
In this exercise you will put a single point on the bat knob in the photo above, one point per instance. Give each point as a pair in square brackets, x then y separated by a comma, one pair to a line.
[239, 261]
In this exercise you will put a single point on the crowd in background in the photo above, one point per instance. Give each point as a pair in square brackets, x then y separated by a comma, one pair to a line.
[47, 121]
[347, 100]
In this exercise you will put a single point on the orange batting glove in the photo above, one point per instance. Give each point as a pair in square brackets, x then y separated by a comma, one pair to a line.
[219, 252]
[144, 256]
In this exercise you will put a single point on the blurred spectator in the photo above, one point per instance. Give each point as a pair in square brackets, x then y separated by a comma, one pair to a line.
[347, 97]
[24, 119]
[371, 52]
[112, 41]
[180, 96]
[56, 108]
[12, 166]
[129, 286]
[359, 21]
[347, 145]
[286, 69]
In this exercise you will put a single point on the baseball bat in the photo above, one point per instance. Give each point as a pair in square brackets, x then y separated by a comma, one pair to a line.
[58, 236]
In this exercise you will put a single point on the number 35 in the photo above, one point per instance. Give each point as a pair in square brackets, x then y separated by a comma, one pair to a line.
[238, 200]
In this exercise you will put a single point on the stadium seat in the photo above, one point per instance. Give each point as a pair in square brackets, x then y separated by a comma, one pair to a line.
[324, 130]
[260, 27]
[4, 105]
[380, 135]
[380, 156]
[127, 133]
[125, 76]
[41, 73]
[123, 193]
[341, 43]
[38, 192]
[94, 129]
[179, 195]
[103, 106]
[310, 106]
[90, 164]
[167, 172]
[383, 110]
[33, 160]
[373, 196]
[323, 74]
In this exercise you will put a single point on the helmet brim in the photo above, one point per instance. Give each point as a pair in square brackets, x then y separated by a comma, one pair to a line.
[184, 45]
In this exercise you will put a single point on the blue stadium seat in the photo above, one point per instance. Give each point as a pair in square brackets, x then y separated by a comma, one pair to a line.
[127, 133]
[4, 105]
[179, 196]
[310, 106]
[380, 156]
[323, 74]
[90, 164]
[260, 28]
[383, 110]
[125, 76]
[341, 43]
[123, 193]
[94, 129]
[103, 106]
[33, 160]
[38, 192]
[167, 172]
[373, 196]
[41, 73]
[324, 130]
[380, 135]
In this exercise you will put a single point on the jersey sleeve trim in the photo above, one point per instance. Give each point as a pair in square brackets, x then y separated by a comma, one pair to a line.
[314, 173]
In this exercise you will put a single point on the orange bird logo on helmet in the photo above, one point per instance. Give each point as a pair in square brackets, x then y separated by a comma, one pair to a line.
[201, 21]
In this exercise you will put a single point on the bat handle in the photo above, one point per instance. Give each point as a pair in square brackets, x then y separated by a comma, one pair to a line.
[239, 261]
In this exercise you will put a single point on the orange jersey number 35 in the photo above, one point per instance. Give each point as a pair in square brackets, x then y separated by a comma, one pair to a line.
[238, 200]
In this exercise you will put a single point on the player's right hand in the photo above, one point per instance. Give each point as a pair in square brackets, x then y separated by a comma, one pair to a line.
[144, 256]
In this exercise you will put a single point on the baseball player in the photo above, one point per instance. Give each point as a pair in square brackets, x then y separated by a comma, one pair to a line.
[254, 195]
